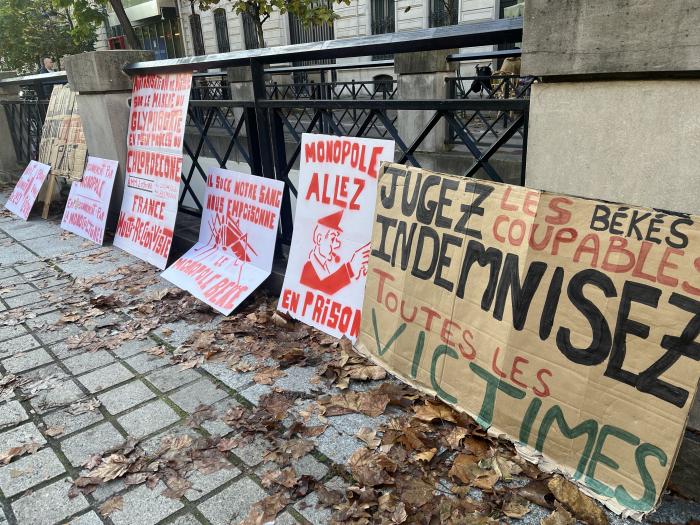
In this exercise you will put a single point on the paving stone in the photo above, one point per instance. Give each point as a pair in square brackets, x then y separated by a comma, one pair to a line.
[145, 506]
[90, 518]
[16, 345]
[69, 422]
[202, 392]
[255, 392]
[14, 289]
[202, 484]
[352, 423]
[105, 377]
[153, 443]
[187, 519]
[88, 361]
[14, 254]
[48, 336]
[231, 505]
[48, 505]
[12, 413]
[24, 300]
[72, 244]
[216, 426]
[12, 332]
[133, 347]
[336, 445]
[94, 441]
[252, 453]
[106, 490]
[28, 471]
[64, 393]
[32, 267]
[307, 506]
[25, 361]
[7, 272]
[125, 397]
[144, 362]
[148, 419]
[231, 379]
[172, 377]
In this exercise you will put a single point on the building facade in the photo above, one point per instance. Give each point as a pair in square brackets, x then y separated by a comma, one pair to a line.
[174, 28]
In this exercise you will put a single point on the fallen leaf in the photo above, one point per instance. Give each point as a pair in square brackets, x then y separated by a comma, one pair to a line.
[80, 407]
[55, 431]
[426, 455]
[370, 403]
[111, 505]
[560, 516]
[14, 452]
[581, 506]
[268, 375]
[464, 468]
[414, 492]
[432, 410]
[455, 437]
[538, 493]
[115, 466]
[370, 468]
[369, 436]
[266, 510]
[515, 506]
[227, 444]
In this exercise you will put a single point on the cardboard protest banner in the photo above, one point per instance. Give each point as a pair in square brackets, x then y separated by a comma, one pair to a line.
[568, 325]
[88, 201]
[153, 166]
[62, 143]
[233, 255]
[27, 188]
[325, 278]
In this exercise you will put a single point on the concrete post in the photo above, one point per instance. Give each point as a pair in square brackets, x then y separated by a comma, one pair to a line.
[613, 117]
[422, 76]
[103, 94]
[9, 167]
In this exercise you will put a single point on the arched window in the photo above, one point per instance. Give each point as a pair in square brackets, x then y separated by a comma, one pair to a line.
[221, 27]
[197, 37]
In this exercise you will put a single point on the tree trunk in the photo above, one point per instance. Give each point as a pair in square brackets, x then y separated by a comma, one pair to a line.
[125, 23]
[261, 36]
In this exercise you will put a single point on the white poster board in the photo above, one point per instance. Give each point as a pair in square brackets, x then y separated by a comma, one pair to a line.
[233, 255]
[153, 166]
[325, 279]
[27, 188]
[88, 201]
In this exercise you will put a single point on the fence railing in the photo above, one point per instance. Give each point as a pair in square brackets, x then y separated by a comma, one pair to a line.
[265, 130]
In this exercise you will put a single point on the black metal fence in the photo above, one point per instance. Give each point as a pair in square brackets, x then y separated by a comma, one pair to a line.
[263, 130]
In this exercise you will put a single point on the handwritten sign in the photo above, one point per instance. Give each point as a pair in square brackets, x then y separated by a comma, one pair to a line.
[568, 325]
[27, 188]
[62, 143]
[153, 166]
[233, 255]
[88, 201]
[325, 279]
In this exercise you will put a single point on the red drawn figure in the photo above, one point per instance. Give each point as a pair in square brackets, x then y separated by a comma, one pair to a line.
[229, 238]
[324, 271]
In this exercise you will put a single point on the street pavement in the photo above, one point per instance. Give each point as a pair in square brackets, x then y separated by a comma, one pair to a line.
[141, 395]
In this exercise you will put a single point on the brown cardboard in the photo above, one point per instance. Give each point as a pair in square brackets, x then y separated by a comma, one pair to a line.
[445, 323]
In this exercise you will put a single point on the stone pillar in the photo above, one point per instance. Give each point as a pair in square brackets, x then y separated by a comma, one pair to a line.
[9, 167]
[615, 118]
[422, 76]
[103, 103]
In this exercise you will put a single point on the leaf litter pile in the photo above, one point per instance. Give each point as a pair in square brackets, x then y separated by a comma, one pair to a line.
[420, 462]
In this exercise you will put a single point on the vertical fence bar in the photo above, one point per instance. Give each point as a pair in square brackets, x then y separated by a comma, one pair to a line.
[262, 119]
[280, 149]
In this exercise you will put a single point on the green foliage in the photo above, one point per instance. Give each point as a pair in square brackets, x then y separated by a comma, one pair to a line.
[309, 12]
[32, 29]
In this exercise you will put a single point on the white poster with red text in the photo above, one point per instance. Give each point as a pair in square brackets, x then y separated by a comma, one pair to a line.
[153, 166]
[324, 284]
[88, 200]
[28, 186]
[233, 255]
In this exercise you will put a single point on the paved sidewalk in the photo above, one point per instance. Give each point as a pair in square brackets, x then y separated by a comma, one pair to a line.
[75, 403]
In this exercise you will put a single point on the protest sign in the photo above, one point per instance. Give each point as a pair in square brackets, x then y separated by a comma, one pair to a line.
[153, 166]
[567, 324]
[62, 143]
[233, 255]
[88, 201]
[325, 278]
[27, 188]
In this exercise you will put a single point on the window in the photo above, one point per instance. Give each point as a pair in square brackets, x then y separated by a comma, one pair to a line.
[221, 27]
[443, 12]
[197, 37]
[301, 34]
[250, 32]
[383, 17]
